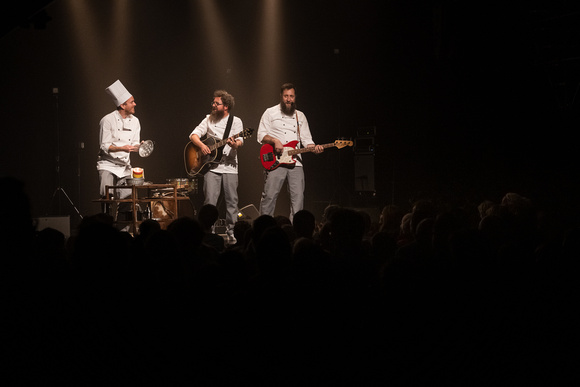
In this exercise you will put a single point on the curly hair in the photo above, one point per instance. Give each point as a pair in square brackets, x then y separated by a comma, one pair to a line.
[227, 98]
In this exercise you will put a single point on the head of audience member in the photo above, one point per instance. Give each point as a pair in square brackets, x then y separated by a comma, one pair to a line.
[304, 224]
[260, 224]
[390, 219]
[207, 215]
[347, 227]
[188, 234]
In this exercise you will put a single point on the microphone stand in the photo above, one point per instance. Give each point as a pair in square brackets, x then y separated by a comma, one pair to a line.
[59, 189]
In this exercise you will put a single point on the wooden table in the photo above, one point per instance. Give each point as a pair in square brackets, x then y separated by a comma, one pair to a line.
[144, 194]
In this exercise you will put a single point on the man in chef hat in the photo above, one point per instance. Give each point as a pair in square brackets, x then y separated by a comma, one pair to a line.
[119, 136]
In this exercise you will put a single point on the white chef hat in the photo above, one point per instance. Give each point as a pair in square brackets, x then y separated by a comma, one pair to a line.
[119, 93]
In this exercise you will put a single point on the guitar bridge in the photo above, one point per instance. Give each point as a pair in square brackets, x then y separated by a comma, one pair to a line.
[268, 157]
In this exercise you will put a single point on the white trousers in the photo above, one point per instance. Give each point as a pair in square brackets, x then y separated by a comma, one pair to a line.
[107, 178]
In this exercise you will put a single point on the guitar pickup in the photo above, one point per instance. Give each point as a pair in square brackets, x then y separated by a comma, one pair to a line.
[268, 157]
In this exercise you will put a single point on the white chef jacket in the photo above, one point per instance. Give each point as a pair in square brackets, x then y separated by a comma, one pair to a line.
[284, 128]
[229, 161]
[117, 131]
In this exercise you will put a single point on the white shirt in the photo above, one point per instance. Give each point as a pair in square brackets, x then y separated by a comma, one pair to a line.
[229, 161]
[117, 131]
[284, 128]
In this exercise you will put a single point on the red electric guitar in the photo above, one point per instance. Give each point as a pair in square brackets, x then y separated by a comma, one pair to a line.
[270, 160]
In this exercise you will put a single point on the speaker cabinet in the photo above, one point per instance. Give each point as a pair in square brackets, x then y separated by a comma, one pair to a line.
[364, 173]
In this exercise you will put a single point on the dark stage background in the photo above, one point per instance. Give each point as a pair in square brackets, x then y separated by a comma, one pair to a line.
[469, 102]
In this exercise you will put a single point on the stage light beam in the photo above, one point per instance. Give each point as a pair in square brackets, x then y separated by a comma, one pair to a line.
[271, 67]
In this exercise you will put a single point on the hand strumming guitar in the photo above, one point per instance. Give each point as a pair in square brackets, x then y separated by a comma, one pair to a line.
[200, 144]
[277, 144]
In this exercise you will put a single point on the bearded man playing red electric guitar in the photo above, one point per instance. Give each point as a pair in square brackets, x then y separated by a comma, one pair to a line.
[279, 125]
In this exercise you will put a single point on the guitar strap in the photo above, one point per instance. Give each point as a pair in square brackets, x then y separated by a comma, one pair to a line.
[299, 139]
[226, 135]
[228, 126]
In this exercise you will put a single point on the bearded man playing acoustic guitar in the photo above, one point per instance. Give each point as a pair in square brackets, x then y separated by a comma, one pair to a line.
[224, 171]
[280, 125]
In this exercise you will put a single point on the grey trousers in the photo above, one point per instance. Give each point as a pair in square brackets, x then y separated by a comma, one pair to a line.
[212, 185]
[273, 181]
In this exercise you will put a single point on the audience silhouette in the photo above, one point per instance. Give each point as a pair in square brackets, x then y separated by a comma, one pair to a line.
[432, 294]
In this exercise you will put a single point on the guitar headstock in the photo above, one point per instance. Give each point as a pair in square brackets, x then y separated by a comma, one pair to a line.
[247, 132]
[342, 143]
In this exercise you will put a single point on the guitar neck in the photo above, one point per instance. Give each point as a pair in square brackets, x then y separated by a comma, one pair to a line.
[304, 150]
[223, 142]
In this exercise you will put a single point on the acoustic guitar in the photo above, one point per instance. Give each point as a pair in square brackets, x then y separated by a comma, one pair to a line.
[270, 160]
[196, 163]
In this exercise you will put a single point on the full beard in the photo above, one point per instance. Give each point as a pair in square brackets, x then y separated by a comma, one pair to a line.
[216, 116]
[289, 111]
